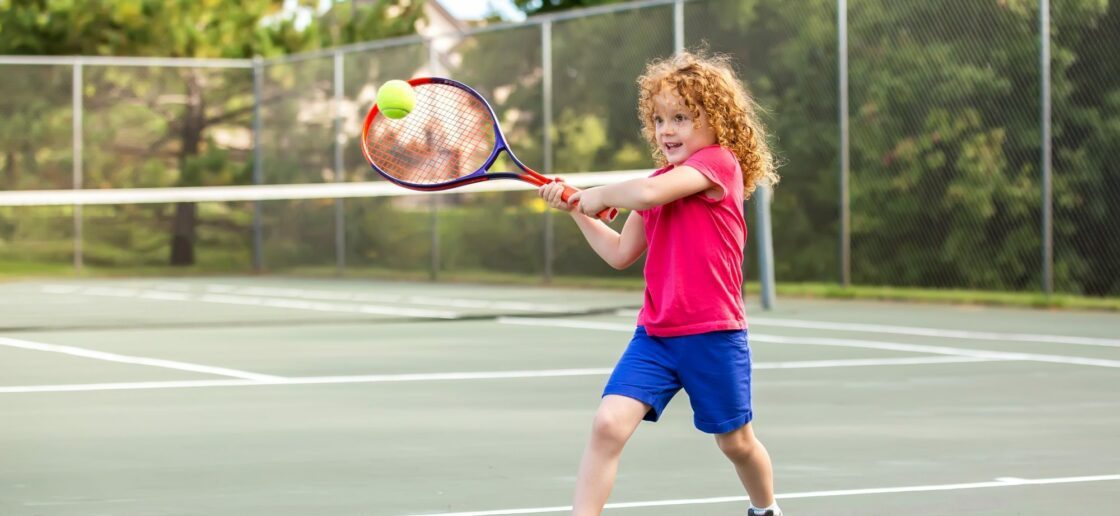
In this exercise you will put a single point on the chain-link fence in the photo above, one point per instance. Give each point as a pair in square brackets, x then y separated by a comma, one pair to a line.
[945, 169]
[950, 105]
[1086, 121]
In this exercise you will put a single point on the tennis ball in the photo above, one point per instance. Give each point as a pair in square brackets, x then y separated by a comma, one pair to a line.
[396, 99]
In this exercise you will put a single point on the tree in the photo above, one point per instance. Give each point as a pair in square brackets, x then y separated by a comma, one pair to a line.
[594, 109]
[945, 180]
[785, 52]
[180, 108]
[1086, 128]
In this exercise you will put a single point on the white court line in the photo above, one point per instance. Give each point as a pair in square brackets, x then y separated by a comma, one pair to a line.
[936, 332]
[924, 332]
[319, 306]
[999, 482]
[122, 386]
[381, 298]
[938, 350]
[112, 357]
[421, 377]
[266, 296]
[851, 343]
[857, 362]
[81, 502]
[233, 299]
[310, 380]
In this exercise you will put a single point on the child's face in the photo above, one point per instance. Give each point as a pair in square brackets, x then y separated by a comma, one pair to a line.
[677, 137]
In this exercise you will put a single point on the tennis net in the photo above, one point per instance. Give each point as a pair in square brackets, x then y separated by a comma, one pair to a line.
[294, 253]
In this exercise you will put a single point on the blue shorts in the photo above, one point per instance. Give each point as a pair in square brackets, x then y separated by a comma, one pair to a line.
[713, 368]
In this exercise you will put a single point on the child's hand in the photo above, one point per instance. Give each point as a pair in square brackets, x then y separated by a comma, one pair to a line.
[551, 193]
[590, 201]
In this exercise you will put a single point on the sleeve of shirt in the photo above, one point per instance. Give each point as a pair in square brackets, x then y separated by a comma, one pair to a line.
[718, 165]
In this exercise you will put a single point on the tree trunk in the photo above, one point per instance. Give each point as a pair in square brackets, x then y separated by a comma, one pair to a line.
[182, 238]
[186, 214]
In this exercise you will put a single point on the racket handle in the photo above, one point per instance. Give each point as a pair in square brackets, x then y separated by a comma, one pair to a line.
[607, 215]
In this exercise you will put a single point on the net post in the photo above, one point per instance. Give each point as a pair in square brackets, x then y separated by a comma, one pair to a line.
[76, 101]
[765, 247]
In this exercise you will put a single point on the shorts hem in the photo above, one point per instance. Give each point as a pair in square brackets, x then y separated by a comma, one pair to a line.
[726, 426]
[635, 393]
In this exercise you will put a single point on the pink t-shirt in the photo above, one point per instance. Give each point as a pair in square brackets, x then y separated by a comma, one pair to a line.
[693, 271]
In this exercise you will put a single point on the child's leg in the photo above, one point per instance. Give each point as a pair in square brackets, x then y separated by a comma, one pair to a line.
[615, 421]
[752, 463]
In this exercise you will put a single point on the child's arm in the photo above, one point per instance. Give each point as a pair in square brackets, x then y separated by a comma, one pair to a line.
[619, 250]
[645, 193]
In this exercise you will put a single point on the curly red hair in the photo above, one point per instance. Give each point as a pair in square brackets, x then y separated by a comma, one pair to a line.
[709, 83]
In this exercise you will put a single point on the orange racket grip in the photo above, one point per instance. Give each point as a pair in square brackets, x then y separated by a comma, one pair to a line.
[607, 215]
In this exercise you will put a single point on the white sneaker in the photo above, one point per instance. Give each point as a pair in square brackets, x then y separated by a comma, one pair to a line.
[763, 512]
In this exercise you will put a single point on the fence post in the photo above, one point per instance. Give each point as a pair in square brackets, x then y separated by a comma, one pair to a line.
[1047, 177]
[845, 209]
[546, 94]
[339, 168]
[433, 272]
[76, 134]
[258, 163]
[678, 26]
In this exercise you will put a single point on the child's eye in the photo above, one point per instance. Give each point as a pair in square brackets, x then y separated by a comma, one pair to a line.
[679, 118]
[657, 120]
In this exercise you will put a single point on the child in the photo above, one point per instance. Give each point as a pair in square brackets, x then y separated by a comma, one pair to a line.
[692, 329]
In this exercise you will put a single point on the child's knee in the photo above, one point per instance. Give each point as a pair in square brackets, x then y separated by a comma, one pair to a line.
[609, 428]
[738, 443]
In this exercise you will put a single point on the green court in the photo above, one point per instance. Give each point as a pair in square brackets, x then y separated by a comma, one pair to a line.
[234, 396]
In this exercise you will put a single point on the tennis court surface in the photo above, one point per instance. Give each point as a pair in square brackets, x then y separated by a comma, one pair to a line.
[287, 396]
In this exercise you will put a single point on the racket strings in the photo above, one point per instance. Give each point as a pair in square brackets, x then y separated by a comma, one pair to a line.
[448, 135]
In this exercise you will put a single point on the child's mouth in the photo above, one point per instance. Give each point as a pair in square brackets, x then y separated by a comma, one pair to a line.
[669, 147]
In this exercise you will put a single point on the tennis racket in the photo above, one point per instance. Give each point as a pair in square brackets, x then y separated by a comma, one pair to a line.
[450, 138]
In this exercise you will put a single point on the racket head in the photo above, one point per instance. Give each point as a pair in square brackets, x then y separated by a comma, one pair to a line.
[450, 139]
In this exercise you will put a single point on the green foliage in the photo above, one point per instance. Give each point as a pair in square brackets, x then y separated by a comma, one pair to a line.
[945, 184]
[786, 54]
[1087, 119]
[595, 65]
[379, 233]
[35, 142]
[176, 28]
[380, 19]
[147, 127]
[945, 181]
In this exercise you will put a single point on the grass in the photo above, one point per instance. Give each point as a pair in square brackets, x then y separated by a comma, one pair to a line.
[950, 296]
[21, 270]
[12, 270]
[796, 290]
